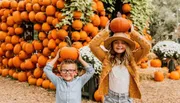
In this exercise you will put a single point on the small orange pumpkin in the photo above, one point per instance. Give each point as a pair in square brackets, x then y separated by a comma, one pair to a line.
[39, 81]
[156, 63]
[45, 84]
[38, 72]
[158, 76]
[97, 96]
[22, 77]
[174, 75]
[32, 81]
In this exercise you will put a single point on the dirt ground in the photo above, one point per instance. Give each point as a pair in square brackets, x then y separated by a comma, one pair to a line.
[12, 91]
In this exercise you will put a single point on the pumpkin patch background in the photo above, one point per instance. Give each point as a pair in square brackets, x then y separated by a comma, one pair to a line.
[31, 32]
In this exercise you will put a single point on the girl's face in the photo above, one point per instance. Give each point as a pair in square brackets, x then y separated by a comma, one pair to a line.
[68, 71]
[119, 46]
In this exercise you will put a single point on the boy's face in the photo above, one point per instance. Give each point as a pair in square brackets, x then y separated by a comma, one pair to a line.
[68, 71]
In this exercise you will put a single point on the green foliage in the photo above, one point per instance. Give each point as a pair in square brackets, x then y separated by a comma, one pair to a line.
[84, 6]
[163, 20]
[140, 13]
[111, 5]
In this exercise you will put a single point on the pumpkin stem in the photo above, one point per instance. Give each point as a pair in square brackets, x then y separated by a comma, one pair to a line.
[68, 40]
[119, 14]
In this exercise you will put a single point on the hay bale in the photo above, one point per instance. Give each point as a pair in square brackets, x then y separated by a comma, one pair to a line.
[148, 74]
[151, 55]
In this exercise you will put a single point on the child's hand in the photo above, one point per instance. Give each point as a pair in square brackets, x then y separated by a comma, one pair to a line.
[80, 57]
[132, 27]
[58, 53]
[83, 62]
[107, 26]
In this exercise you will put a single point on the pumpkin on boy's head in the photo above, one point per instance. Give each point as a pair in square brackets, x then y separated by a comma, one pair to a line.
[69, 53]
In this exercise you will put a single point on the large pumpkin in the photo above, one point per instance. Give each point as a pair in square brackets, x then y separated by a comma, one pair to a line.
[119, 24]
[69, 53]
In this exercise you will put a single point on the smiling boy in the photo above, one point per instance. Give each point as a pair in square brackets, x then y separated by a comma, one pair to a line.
[68, 85]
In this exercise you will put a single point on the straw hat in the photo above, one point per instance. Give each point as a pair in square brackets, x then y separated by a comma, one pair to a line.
[119, 36]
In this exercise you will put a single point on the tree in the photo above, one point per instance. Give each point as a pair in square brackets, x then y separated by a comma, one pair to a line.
[164, 19]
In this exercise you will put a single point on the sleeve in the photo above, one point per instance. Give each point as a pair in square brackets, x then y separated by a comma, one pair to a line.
[89, 73]
[48, 71]
[96, 42]
[145, 46]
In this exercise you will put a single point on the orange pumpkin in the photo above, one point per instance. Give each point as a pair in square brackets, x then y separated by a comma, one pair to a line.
[120, 24]
[60, 4]
[126, 8]
[29, 64]
[156, 63]
[22, 77]
[77, 44]
[32, 81]
[69, 53]
[29, 48]
[11, 72]
[178, 67]
[97, 96]
[50, 10]
[77, 14]
[17, 62]
[158, 76]
[51, 44]
[38, 45]
[42, 60]
[34, 58]
[174, 75]
[5, 72]
[17, 48]
[15, 75]
[144, 65]
[38, 72]
[61, 34]
[51, 86]
[10, 63]
[77, 24]
[39, 81]
[45, 84]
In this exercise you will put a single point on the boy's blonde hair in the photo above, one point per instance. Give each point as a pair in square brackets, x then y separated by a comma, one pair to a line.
[67, 61]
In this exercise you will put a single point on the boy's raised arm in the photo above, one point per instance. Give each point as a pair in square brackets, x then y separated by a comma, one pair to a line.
[48, 69]
[89, 71]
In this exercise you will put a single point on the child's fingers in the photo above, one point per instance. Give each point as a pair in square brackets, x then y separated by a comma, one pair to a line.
[107, 25]
[132, 27]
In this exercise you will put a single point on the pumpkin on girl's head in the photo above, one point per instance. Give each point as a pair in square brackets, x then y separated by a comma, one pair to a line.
[69, 53]
[120, 24]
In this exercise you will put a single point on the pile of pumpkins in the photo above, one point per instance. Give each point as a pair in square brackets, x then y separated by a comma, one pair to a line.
[24, 59]
[159, 75]
[174, 75]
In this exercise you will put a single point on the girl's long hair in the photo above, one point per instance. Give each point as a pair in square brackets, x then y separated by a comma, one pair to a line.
[126, 57]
